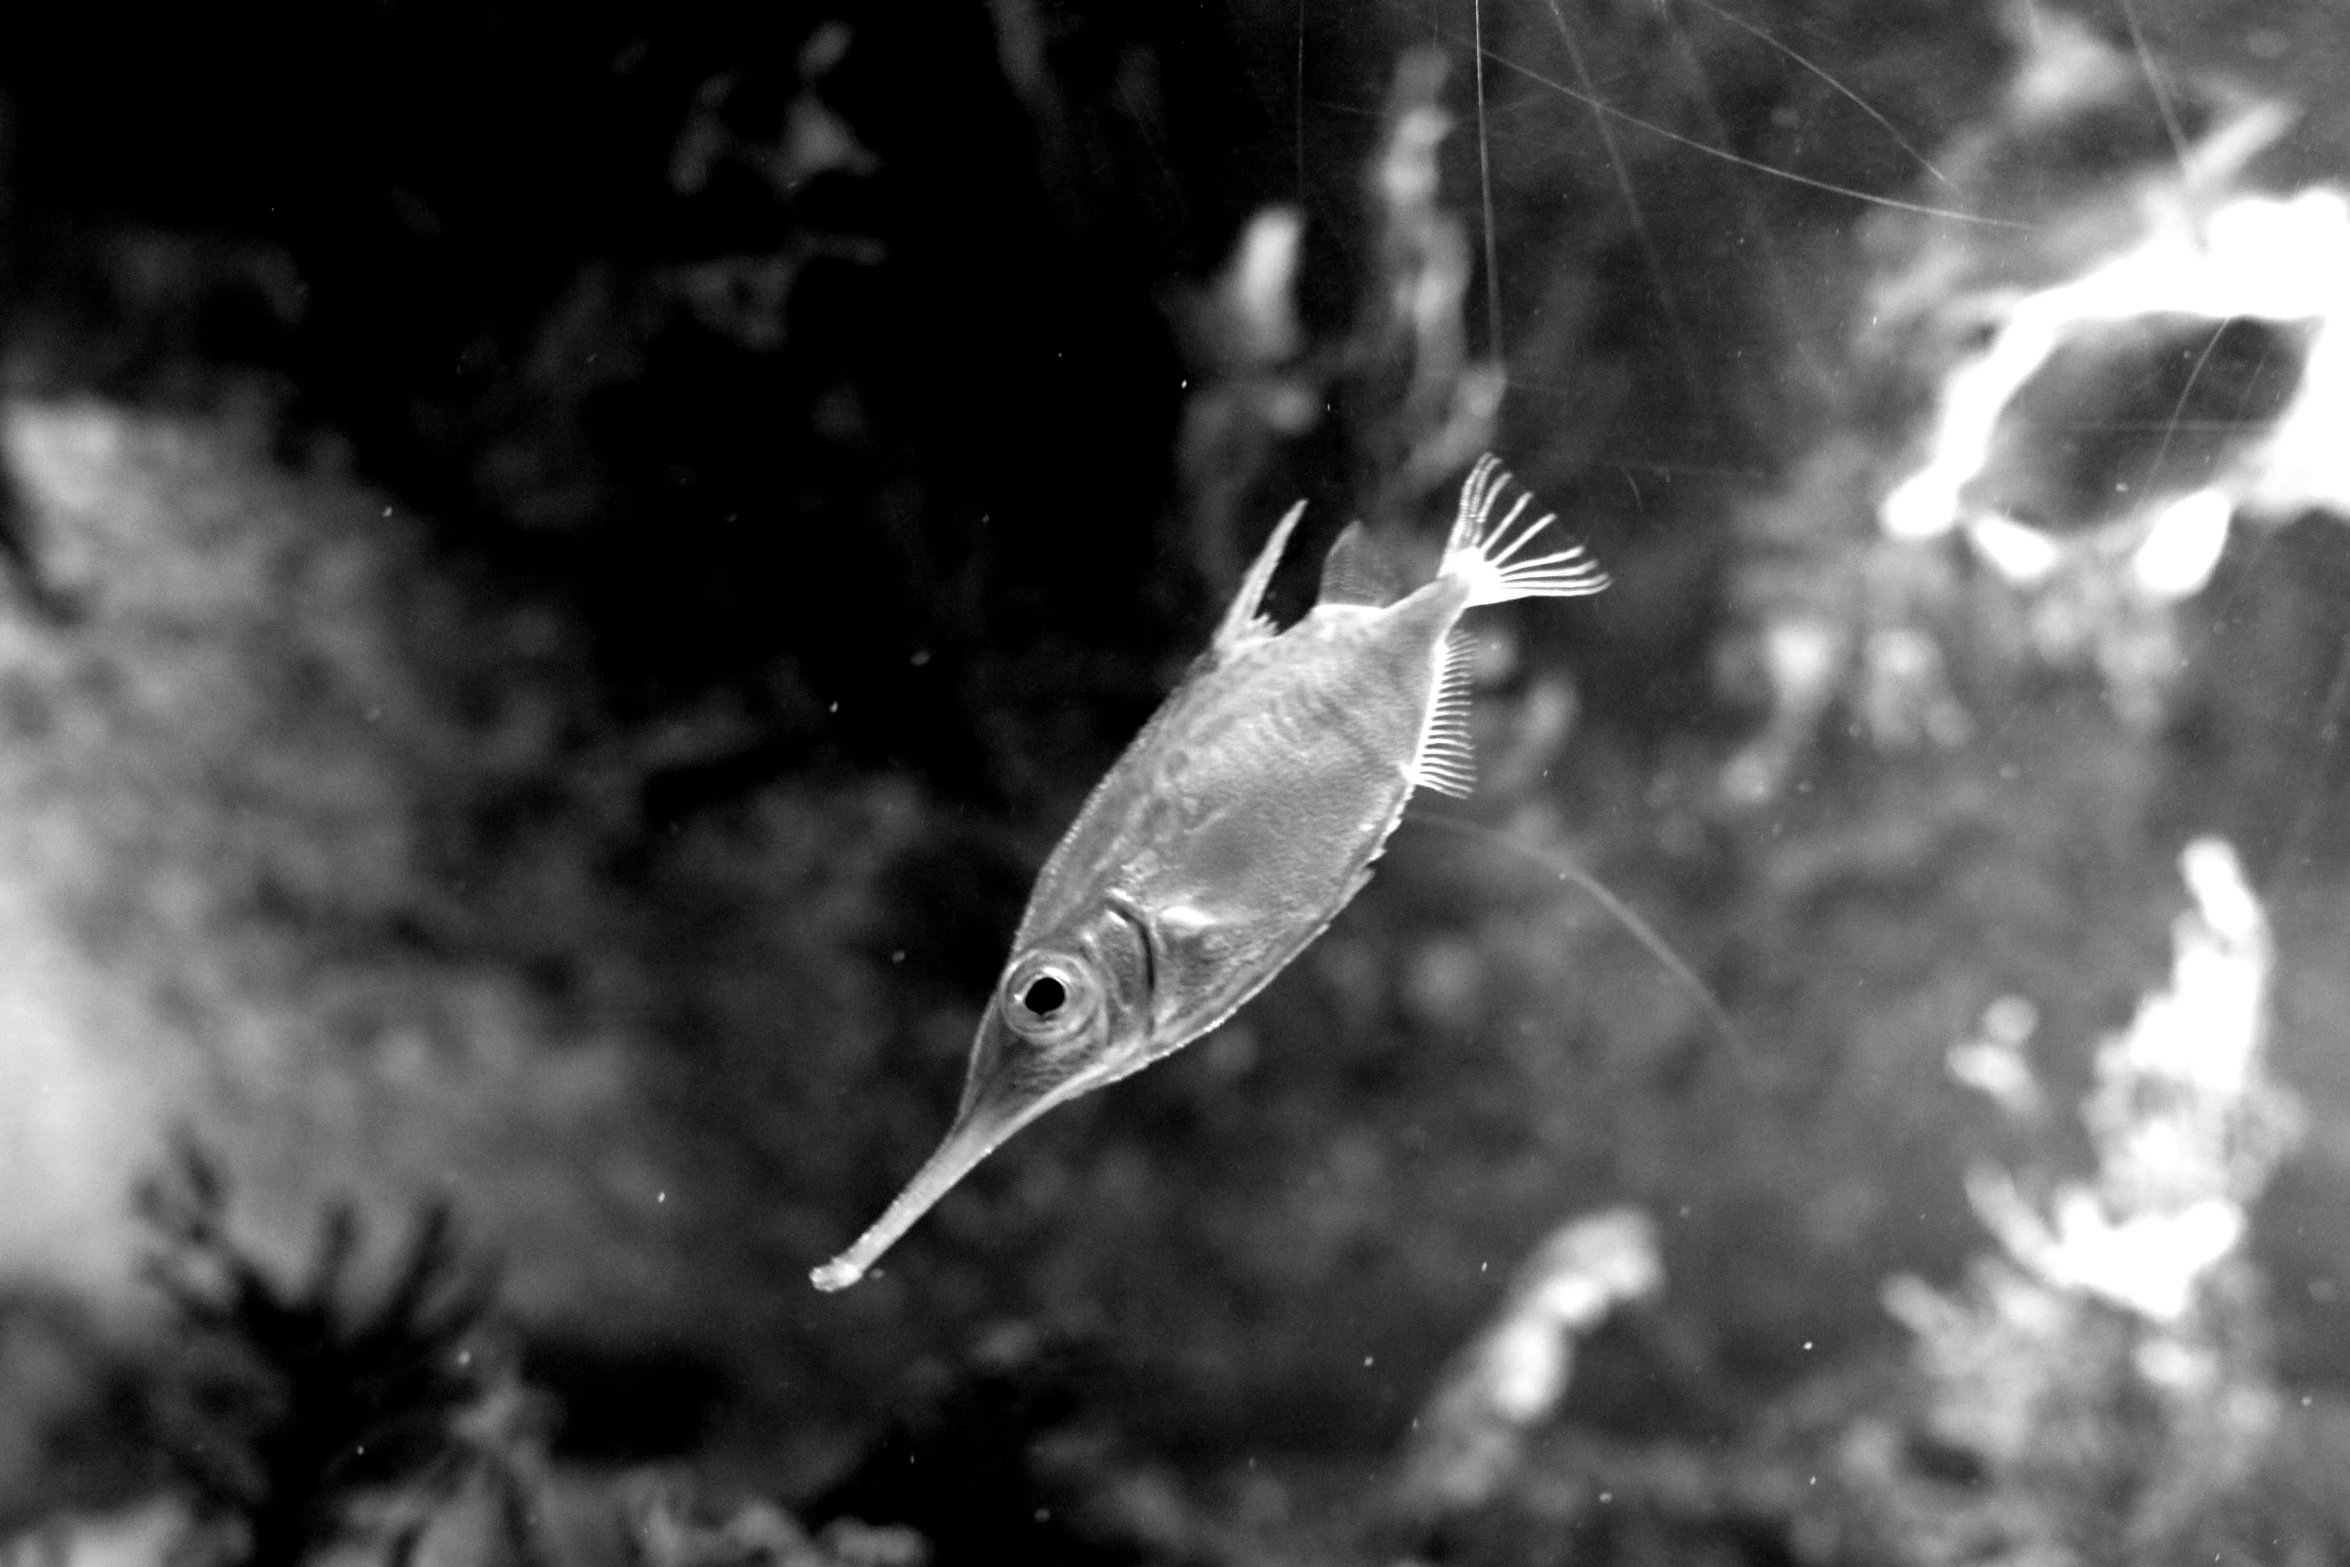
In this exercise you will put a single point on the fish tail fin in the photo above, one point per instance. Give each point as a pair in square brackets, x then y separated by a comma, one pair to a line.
[1488, 552]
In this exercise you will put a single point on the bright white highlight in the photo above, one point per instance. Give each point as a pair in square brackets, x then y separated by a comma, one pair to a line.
[2020, 553]
[2258, 257]
[2185, 1121]
[2178, 556]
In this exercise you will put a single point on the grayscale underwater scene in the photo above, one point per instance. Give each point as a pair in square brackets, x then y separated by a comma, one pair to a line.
[1500, 783]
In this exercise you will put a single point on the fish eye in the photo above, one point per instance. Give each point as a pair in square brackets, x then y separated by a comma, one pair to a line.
[1048, 999]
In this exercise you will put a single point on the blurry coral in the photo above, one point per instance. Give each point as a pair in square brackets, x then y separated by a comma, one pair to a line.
[1001, 1460]
[2207, 324]
[76, 1415]
[284, 811]
[290, 1415]
[1415, 406]
[2099, 1388]
[1466, 1442]
[666, 1528]
[2138, 345]
[747, 298]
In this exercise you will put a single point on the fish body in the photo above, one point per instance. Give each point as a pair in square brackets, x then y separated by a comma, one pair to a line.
[1237, 824]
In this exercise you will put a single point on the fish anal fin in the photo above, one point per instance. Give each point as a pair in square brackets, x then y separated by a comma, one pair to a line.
[1355, 572]
[1446, 763]
[1242, 624]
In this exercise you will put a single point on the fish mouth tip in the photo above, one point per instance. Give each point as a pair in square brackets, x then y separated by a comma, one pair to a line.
[835, 1275]
[973, 1136]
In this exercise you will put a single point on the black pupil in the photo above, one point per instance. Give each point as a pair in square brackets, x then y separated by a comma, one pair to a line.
[1044, 996]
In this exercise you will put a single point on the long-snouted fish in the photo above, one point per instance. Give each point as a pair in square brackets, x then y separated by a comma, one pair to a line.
[1240, 821]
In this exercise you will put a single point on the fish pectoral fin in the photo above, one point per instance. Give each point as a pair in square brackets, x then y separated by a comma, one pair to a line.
[1242, 624]
[1354, 572]
[1445, 762]
[1187, 919]
[1189, 938]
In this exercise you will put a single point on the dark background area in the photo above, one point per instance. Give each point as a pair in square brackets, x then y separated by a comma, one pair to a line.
[582, 287]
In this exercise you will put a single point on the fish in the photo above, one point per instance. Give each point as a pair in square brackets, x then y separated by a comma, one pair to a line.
[1238, 823]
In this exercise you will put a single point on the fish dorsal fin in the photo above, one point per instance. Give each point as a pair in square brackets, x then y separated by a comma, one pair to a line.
[1241, 624]
[1354, 572]
[1445, 762]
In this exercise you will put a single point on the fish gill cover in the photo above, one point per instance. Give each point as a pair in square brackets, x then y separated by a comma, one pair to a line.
[566, 568]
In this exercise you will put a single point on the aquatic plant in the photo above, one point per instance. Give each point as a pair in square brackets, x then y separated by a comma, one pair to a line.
[286, 1407]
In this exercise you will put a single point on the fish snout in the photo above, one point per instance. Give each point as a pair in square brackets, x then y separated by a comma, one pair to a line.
[1067, 1016]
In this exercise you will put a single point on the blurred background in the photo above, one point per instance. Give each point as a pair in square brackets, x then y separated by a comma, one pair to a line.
[562, 567]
